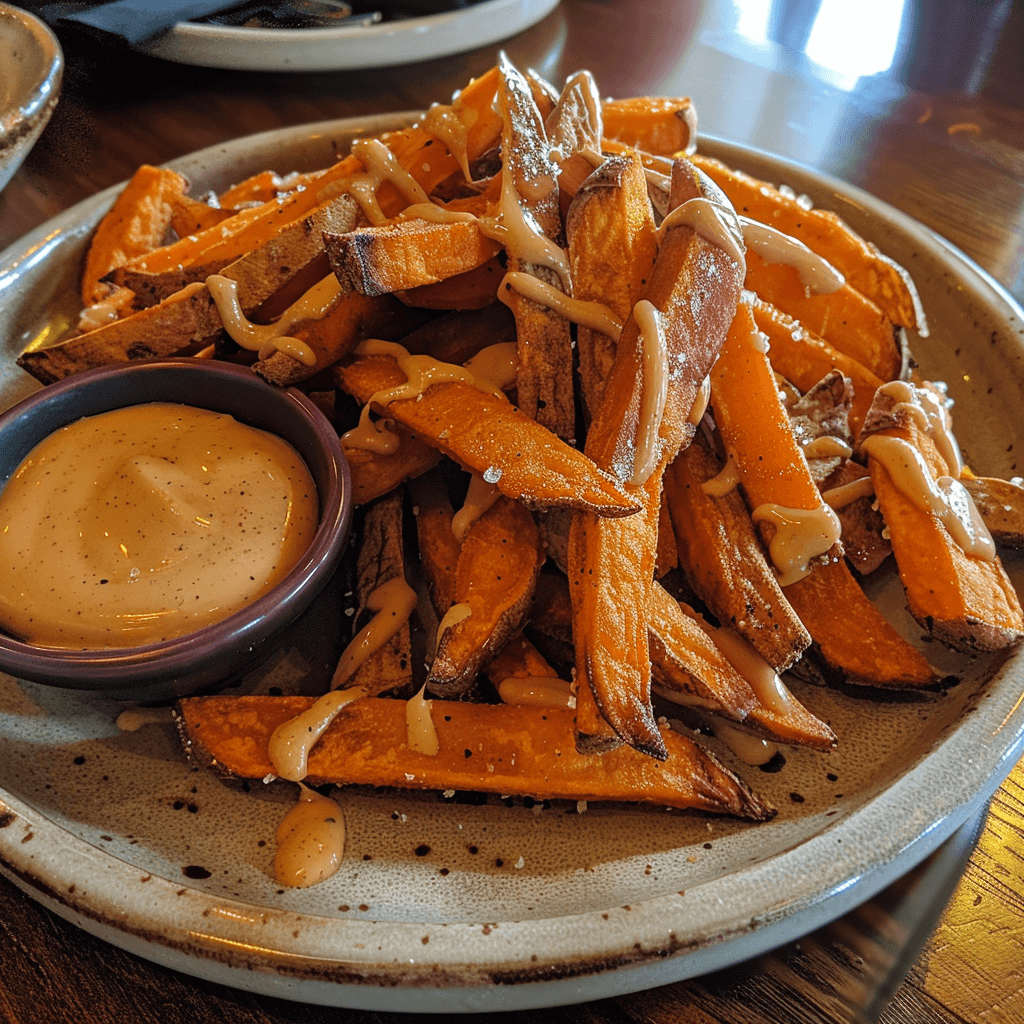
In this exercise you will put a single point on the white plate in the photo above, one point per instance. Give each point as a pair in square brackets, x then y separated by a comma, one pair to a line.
[345, 49]
[453, 906]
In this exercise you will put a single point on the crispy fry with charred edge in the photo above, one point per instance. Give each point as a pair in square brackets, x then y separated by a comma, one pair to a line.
[661, 125]
[967, 602]
[850, 635]
[690, 668]
[511, 750]
[374, 474]
[133, 226]
[530, 189]
[406, 254]
[184, 321]
[612, 245]
[457, 336]
[260, 273]
[494, 580]
[876, 276]
[724, 563]
[481, 431]
[803, 358]
[381, 559]
[845, 319]
[1001, 504]
[610, 603]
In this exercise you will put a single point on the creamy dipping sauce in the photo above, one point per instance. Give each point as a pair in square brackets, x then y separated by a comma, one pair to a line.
[147, 523]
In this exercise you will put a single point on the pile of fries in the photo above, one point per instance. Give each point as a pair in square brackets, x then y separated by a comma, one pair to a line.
[610, 447]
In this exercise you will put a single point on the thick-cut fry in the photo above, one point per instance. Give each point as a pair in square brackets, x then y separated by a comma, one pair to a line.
[661, 125]
[876, 276]
[439, 548]
[494, 581]
[488, 435]
[689, 668]
[381, 560]
[612, 245]
[492, 748]
[472, 289]
[530, 188]
[134, 225]
[262, 272]
[803, 358]
[610, 602]
[406, 254]
[845, 319]
[724, 563]
[853, 642]
[966, 601]
[518, 659]
[374, 474]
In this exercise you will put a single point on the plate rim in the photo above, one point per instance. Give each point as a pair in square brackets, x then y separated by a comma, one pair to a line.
[739, 937]
[350, 48]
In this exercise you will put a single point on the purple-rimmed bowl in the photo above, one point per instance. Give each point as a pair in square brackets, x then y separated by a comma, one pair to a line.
[223, 650]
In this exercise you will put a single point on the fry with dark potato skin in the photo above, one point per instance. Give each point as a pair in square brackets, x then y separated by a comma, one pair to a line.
[694, 287]
[491, 748]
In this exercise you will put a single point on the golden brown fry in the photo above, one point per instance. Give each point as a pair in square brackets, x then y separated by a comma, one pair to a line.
[845, 319]
[488, 435]
[134, 225]
[612, 245]
[438, 546]
[966, 601]
[530, 184]
[494, 581]
[406, 254]
[611, 566]
[656, 124]
[724, 562]
[492, 748]
[374, 474]
[876, 276]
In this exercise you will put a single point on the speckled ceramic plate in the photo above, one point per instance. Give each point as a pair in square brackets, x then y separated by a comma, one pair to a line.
[450, 905]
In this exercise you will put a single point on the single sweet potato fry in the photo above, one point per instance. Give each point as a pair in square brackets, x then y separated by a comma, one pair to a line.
[493, 748]
[658, 124]
[612, 245]
[135, 225]
[530, 188]
[494, 580]
[438, 546]
[406, 254]
[486, 434]
[964, 599]
[374, 474]
[845, 319]
[876, 276]
[724, 562]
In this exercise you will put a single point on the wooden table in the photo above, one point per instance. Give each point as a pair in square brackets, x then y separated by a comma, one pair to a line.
[927, 114]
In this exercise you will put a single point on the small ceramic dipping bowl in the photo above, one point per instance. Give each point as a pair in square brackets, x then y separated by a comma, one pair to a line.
[223, 650]
[31, 67]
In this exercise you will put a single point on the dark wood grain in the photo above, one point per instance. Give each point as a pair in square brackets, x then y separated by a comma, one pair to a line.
[939, 134]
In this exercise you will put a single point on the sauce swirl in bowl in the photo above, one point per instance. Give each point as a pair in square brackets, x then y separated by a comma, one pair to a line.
[164, 662]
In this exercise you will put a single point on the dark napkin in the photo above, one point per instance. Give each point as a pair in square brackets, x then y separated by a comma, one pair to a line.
[134, 21]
